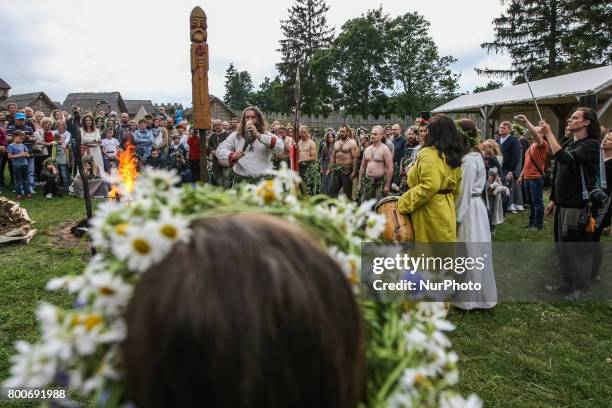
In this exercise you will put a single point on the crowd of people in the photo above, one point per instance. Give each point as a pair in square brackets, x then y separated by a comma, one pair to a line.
[441, 170]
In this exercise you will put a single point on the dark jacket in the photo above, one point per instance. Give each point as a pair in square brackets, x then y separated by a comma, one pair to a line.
[156, 163]
[398, 149]
[566, 189]
[511, 149]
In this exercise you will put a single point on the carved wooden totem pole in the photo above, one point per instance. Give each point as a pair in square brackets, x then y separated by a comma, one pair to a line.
[199, 83]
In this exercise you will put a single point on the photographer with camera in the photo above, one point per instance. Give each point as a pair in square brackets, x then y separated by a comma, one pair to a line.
[573, 198]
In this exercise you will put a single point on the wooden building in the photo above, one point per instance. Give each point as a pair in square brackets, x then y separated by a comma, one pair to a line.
[4, 89]
[39, 101]
[220, 110]
[92, 100]
[133, 107]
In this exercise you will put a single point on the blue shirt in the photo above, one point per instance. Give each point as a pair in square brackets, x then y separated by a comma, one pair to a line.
[398, 148]
[14, 148]
[28, 132]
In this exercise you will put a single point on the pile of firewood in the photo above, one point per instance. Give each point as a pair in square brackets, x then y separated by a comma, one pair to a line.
[15, 224]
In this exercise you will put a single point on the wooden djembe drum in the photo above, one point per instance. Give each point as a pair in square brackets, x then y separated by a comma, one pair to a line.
[399, 227]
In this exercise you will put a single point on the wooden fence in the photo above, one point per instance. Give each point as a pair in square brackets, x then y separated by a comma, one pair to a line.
[335, 120]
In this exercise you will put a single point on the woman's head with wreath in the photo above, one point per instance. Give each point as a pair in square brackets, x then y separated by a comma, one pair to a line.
[275, 325]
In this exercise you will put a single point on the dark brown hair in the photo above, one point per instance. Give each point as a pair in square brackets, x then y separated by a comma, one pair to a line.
[261, 124]
[252, 313]
[93, 123]
[444, 137]
[593, 129]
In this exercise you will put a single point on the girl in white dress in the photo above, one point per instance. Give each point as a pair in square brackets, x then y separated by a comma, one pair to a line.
[90, 142]
[473, 224]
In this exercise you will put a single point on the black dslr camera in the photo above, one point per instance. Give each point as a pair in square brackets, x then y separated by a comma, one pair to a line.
[598, 197]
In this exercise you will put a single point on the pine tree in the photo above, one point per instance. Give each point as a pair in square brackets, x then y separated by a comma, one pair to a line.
[532, 32]
[488, 87]
[551, 37]
[590, 42]
[304, 33]
[238, 88]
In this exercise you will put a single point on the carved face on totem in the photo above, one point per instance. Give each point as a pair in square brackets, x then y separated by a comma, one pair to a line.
[198, 25]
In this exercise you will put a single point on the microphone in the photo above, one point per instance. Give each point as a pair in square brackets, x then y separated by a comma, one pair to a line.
[248, 139]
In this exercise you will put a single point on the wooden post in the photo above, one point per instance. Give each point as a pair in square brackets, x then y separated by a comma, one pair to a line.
[199, 83]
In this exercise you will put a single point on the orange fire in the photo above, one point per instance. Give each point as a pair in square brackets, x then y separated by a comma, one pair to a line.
[127, 169]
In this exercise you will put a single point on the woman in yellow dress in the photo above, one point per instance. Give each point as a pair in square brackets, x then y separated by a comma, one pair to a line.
[434, 181]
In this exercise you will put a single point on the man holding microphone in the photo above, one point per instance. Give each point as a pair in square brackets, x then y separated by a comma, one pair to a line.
[249, 149]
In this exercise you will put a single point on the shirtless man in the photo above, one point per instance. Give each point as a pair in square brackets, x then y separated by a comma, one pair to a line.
[283, 156]
[308, 164]
[376, 171]
[343, 164]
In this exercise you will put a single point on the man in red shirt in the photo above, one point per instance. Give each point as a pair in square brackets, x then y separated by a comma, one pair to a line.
[193, 141]
[532, 176]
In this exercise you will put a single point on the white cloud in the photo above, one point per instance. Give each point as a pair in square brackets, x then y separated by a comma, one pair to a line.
[141, 47]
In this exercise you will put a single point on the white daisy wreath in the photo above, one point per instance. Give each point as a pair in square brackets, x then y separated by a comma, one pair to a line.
[410, 361]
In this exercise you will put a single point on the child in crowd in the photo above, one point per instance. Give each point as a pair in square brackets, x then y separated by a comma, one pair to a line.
[183, 135]
[50, 176]
[19, 154]
[110, 147]
[177, 147]
[496, 194]
[177, 162]
[155, 160]
[60, 154]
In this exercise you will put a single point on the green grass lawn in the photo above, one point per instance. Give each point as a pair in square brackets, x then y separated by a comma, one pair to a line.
[516, 355]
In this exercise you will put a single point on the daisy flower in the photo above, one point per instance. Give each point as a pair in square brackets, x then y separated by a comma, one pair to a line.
[107, 215]
[451, 400]
[141, 247]
[349, 263]
[375, 225]
[106, 291]
[155, 180]
[173, 228]
[34, 365]
[268, 192]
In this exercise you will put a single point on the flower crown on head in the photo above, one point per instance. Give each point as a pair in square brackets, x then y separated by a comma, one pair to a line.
[471, 139]
[79, 347]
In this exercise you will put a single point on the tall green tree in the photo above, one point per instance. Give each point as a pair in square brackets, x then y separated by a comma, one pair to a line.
[551, 37]
[238, 88]
[360, 52]
[423, 76]
[305, 32]
[269, 96]
[531, 31]
[489, 86]
[589, 44]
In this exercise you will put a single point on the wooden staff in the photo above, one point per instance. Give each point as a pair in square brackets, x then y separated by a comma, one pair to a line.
[294, 152]
[75, 131]
[532, 96]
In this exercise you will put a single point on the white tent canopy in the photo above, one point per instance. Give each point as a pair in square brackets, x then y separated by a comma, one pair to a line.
[573, 85]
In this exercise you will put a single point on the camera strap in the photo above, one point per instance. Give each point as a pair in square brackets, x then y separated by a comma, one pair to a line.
[602, 171]
[585, 192]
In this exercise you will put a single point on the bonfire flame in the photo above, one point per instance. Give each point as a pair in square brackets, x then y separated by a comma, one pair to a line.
[127, 170]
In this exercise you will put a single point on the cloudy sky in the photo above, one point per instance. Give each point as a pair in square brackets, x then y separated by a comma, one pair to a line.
[141, 47]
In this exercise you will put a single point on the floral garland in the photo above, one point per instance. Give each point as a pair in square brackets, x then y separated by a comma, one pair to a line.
[518, 128]
[410, 362]
[471, 139]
